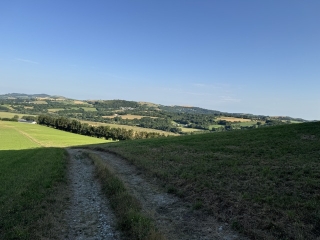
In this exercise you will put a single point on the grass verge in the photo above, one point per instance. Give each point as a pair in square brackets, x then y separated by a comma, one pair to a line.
[30, 180]
[129, 214]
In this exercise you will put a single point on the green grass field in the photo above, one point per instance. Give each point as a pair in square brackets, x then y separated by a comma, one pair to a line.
[187, 130]
[32, 165]
[246, 124]
[11, 115]
[50, 137]
[8, 106]
[215, 126]
[264, 182]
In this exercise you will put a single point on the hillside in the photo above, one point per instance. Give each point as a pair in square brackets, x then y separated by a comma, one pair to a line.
[263, 182]
[174, 119]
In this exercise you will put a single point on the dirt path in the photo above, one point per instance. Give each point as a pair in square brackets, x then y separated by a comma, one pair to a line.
[88, 213]
[174, 217]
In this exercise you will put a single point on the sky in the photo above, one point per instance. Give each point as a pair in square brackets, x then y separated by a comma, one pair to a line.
[248, 56]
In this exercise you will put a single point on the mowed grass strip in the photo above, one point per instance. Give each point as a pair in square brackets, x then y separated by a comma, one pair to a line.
[265, 182]
[51, 137]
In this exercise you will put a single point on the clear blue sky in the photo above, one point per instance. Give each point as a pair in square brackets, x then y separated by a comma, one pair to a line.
[260, 57]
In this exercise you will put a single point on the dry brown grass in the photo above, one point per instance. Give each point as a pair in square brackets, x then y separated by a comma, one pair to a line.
[78, 102]
[233, 119]
[130, 216]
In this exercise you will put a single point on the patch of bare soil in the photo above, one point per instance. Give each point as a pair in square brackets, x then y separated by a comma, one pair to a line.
[174, 217]
[88, 215]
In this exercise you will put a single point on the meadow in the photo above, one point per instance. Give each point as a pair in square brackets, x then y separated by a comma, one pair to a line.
[263, 182]
[188, 130]
[32, 169]
[11, 115]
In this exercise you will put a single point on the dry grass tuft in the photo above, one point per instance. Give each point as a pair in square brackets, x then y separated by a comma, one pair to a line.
[126, 207]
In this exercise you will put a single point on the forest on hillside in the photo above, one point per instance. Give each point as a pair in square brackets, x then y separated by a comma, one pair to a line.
[175, 119]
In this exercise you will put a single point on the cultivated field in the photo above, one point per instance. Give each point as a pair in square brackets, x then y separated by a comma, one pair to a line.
[50, 137]
[188, 130]
[32, 167]
[79, 102]
[128, 116]
[127, 127]
[264, 182]
[55, 109]
[233, 119]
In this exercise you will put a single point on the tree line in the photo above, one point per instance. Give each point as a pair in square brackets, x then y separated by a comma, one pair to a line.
[74, 126]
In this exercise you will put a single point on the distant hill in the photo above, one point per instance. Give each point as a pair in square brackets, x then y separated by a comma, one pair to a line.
[23, 95]
[133, 106]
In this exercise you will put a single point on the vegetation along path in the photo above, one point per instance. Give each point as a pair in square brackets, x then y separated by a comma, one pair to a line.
[174, 218]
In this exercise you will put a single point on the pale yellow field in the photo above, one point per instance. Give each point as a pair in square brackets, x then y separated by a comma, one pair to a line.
[55, 109]
[128, 127]
[28, 107]
[233, 119]
[78, 102]
[128, 116]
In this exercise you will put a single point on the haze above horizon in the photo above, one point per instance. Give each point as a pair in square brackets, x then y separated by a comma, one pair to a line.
[259, 57]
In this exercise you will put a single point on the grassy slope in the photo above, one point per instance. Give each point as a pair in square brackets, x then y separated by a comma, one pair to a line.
[29, 173]
[52, 137]
[265, 182]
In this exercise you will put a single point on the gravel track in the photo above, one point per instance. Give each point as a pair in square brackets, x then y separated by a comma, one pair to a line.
[88, 214]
